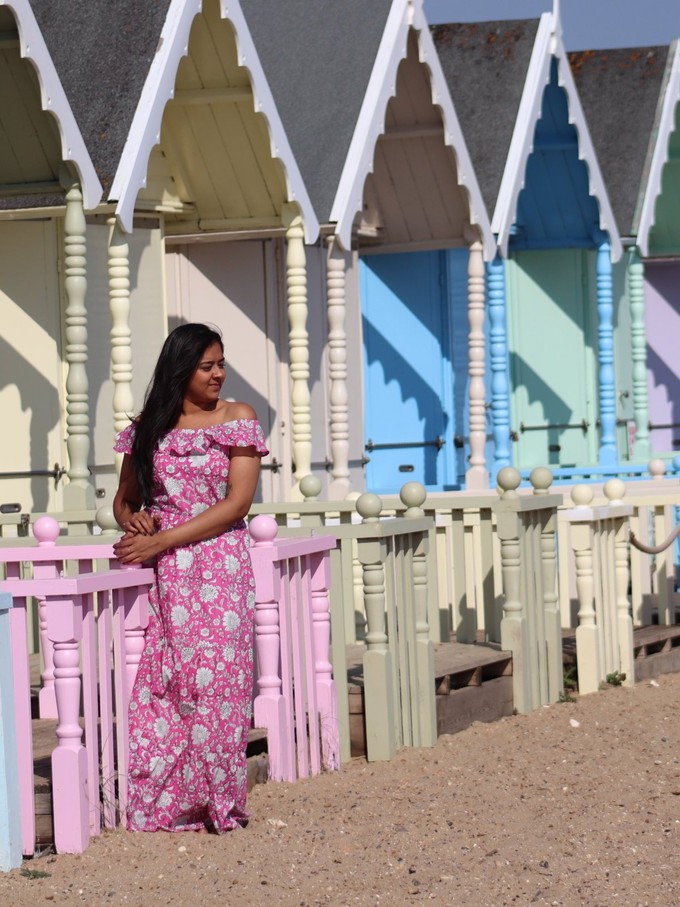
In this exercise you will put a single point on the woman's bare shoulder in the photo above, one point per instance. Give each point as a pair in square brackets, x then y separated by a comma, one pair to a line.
[236, 410]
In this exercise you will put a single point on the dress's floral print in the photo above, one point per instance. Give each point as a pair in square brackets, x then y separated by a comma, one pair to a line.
[190, 707]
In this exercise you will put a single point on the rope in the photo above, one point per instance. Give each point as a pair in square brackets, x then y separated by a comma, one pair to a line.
[655, 549]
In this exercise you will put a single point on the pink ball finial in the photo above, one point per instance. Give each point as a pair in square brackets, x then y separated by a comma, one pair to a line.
[263, 529]
[46, 530]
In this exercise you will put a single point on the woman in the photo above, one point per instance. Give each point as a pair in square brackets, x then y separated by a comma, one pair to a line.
[187, 481]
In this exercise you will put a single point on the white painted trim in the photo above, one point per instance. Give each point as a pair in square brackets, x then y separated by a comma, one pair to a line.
[453, 134]
[522, 142]
[53, 100]
[382, 85]
[146, 124]
[159, 89]
[660, 153]
[549, 44]
[586, 152]
[264, 104]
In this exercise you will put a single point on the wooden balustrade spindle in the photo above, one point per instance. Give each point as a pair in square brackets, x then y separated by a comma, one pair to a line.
[336, 266]
[298, 344]
[477, 476]
[121, 334]
[46, 531]
[79, 493]
[323, 669]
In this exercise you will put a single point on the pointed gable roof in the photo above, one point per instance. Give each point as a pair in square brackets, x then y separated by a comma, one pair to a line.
[332, 65]
[663, 134]
[158, 88]
[37, 45]
[621, 92]
[489, 51]
[318, 56]
[486, 66]
[102, 52]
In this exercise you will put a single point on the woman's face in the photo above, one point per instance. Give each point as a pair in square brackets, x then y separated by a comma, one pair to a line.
[206, 382]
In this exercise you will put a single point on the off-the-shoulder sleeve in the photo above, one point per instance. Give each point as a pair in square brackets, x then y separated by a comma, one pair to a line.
[124, 439]
[246, 433]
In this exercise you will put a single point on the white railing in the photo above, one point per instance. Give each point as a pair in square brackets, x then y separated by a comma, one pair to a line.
[530, 627]
[599, 540]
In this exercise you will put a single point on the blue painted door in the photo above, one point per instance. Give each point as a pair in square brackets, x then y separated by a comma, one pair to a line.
[413, 403]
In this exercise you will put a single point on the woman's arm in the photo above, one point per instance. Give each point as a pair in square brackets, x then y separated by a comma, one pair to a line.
[128, 502]
[244, 470]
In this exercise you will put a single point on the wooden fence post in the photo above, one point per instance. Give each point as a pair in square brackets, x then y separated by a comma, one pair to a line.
[10, 809]
[413, 495]
[588, 643]
[325, 685]
[614, 491]
[69, 759]
[541, 479]
[380, 705]
[269, 707]
[514, 633]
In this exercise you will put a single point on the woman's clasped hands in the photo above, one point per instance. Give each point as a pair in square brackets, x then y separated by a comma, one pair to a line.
[141, 542]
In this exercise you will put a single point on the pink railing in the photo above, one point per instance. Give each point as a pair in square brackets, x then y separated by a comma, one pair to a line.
[92, 625]
[91, 628]
[296, 700]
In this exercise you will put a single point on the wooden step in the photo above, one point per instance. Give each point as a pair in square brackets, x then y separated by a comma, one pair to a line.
[473, 682]
[657, 650]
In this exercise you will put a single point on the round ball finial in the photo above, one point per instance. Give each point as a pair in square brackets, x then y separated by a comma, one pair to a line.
[508, 480]
[614, 490]
[581, 495]
[310, 487]
[46, 530]
[263, 529]
[541, 479]
[105, 519]
[412, 495]
[656, 468]
[369, 507]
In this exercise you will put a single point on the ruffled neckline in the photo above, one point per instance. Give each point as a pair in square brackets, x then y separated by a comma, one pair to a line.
[235, 433]
[217, 425]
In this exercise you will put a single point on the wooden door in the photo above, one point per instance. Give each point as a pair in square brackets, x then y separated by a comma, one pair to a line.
[552, 361]
[408, 375]
[234, 286]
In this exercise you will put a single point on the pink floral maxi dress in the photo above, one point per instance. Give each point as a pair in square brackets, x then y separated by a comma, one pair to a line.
[190, 707]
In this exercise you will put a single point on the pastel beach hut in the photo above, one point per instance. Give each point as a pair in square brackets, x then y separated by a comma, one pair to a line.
[552, 388]
[631, 99]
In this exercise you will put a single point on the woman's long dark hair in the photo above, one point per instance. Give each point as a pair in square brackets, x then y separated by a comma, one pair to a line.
[179, 357]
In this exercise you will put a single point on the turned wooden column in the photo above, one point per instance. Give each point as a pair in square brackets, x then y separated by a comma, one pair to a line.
[121, 344]
[298, 344]
[79, 493]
